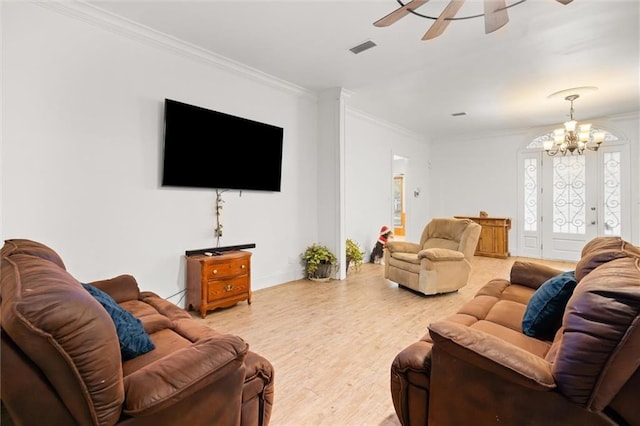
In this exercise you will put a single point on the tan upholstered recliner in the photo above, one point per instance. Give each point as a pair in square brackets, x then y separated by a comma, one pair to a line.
[440, 263]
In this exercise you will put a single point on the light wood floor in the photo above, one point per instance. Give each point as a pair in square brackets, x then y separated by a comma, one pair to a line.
[332, 343]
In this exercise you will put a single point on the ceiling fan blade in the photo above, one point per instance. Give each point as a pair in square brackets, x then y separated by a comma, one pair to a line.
[443, 21]
[399, 13]
[495, 15]
[564, 1]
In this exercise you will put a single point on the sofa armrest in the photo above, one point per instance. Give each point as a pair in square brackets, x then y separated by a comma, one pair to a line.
[402, 246]
[530, 274]
[180, 374]
[410, 381]
[493, 354]
[440, 255]
[120, 288]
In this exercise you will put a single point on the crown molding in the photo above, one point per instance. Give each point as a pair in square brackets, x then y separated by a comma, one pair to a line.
[380, 122]
[111, 22]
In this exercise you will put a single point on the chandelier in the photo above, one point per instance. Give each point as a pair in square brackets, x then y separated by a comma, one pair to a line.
[574, 137]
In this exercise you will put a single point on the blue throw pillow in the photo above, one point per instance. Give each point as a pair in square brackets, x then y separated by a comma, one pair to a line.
[543, 315]
[133, 339]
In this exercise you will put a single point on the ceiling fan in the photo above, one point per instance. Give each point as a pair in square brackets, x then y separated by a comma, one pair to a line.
[495, 15]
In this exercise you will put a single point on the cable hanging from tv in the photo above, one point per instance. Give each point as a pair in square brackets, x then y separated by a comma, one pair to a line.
[217, 232]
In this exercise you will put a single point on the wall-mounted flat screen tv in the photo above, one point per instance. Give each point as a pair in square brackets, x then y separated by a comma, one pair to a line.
[210, 149]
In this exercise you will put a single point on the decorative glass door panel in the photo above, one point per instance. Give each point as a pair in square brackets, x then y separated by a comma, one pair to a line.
[570, 207]
[612, 191]
[530, 204]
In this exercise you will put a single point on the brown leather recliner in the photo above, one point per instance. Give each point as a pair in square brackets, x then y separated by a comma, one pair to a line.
[478, 367]
[440, 262]
[61, 361]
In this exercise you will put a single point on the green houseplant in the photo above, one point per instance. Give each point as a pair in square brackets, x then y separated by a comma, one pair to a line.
[319, 262]
[354, 254]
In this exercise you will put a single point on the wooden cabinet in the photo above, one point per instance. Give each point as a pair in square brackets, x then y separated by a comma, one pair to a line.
[494, 237]
[218, 281]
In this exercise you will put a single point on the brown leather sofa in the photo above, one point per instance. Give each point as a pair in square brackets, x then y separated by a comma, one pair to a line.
[478, 367]
[62, 365]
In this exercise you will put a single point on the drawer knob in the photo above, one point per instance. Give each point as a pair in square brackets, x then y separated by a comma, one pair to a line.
[228, 287]
[242, 266]
[215, 271]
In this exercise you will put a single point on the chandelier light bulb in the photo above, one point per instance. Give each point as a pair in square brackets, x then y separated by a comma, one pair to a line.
[583, 137]
[598, 137]
[570, 126]
[558, 136]
[548, 144]
[585, 127]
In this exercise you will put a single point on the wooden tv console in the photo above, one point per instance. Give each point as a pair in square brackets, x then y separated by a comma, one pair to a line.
[218, 281]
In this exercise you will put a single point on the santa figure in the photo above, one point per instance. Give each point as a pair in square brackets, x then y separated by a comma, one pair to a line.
[378, 250]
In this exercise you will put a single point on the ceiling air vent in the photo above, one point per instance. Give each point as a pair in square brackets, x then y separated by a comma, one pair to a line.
[458, 114]
[362, 47]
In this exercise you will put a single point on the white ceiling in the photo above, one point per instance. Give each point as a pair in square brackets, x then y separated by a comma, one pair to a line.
[501, 80]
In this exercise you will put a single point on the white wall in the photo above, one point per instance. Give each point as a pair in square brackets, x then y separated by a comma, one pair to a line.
[473, 174]
[81, 152]
[480, 173]
[370, 146]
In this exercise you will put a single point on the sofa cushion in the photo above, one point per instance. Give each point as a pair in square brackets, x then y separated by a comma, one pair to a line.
[543, 315]
[134, 341]
[182, 371]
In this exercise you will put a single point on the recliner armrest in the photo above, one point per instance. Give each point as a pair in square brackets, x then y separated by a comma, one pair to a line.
[440, 254]
[120, 288]
[490, 353]
[175, 377]
[403, 246]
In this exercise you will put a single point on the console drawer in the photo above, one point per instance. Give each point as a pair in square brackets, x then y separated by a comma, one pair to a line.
[216, 271]
[221, 289]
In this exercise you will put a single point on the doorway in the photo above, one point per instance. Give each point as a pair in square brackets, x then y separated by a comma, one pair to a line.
[399, 205]
[566, 201]
[399, 214]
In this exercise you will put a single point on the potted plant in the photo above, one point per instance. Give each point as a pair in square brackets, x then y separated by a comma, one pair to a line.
[319, 262]
[354, 254]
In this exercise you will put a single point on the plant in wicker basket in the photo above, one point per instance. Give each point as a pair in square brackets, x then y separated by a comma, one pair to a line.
[319, 262]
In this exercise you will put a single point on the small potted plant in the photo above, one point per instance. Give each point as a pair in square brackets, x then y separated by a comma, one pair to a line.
[354, 254]
[319, 262]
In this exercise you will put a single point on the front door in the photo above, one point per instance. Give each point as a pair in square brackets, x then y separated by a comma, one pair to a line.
[569, 200]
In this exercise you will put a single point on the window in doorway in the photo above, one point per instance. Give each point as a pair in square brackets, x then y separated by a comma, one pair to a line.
[530, 194]
[612, 203]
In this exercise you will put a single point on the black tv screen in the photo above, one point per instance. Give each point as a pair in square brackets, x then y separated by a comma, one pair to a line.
[210, 149]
